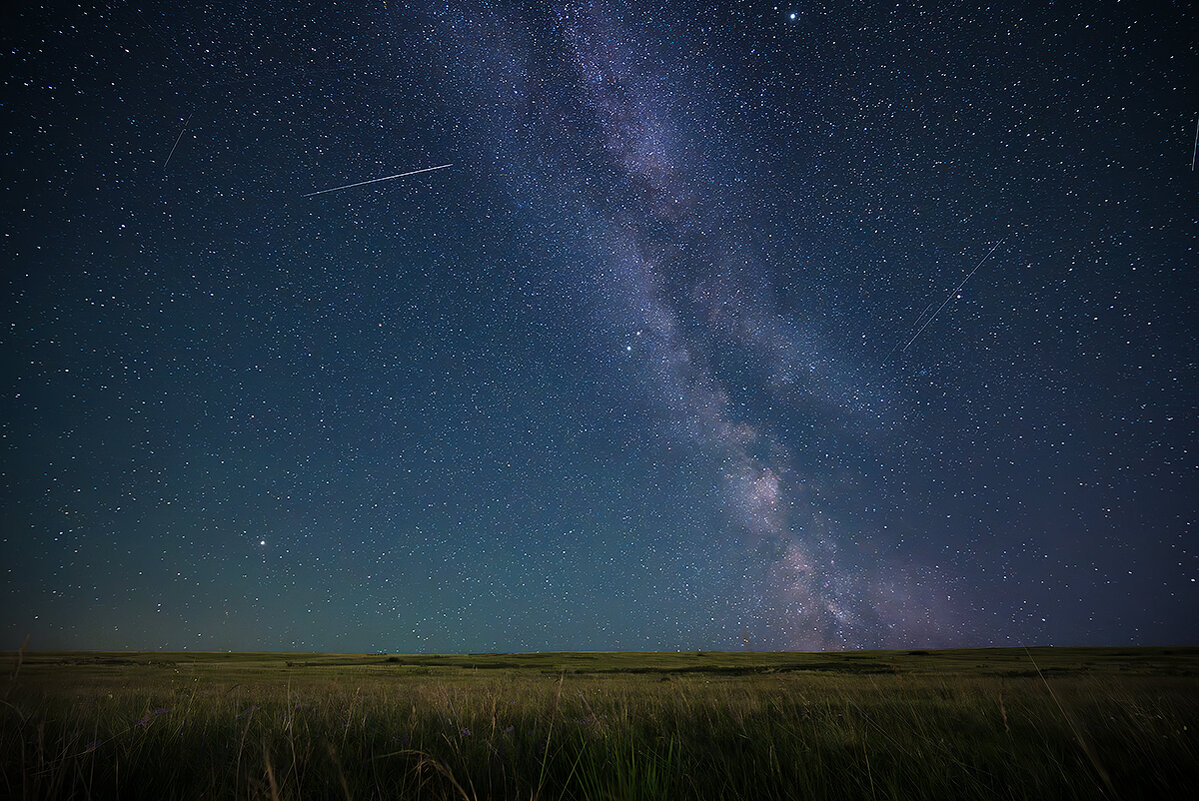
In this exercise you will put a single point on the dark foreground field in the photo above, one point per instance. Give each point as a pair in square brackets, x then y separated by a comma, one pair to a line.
[999, 723]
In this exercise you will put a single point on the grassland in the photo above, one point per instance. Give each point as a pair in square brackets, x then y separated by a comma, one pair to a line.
[1048, 723]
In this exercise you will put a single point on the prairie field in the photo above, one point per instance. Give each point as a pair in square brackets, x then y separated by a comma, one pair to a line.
[1042, 723]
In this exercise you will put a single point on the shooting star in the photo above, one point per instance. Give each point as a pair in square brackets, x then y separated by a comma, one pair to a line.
[177, 140]
[956, 289]
[376, 180]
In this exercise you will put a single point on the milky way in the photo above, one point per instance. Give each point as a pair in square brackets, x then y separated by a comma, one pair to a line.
[694, 292]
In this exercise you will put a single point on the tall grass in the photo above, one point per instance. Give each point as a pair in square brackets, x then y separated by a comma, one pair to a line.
[154, 733]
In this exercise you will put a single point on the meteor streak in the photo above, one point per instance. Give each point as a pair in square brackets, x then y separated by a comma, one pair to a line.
[178, 139]
[956, 289]
[377, 180]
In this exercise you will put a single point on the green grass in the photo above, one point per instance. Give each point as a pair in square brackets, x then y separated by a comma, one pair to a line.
[1052, 723]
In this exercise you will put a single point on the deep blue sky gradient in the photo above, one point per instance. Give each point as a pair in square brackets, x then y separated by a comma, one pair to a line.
[638, 370]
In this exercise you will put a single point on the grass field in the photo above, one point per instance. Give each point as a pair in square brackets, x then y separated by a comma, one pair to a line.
[1048, 723]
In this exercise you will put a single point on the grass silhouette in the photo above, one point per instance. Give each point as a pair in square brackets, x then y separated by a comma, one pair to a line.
[1050, 723]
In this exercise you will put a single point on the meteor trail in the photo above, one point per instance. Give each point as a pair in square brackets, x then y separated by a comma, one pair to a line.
[178, 139]
[951, 294]
[377, 180]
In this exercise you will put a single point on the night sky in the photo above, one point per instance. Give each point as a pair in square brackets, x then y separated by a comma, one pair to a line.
[730, 325]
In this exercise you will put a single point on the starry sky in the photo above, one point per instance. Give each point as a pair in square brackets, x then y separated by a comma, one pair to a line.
[730, 325]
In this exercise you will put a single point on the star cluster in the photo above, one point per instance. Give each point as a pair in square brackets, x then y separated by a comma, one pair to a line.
[732, 325]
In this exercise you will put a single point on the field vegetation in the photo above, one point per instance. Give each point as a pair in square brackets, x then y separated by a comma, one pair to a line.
[1046, 723]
